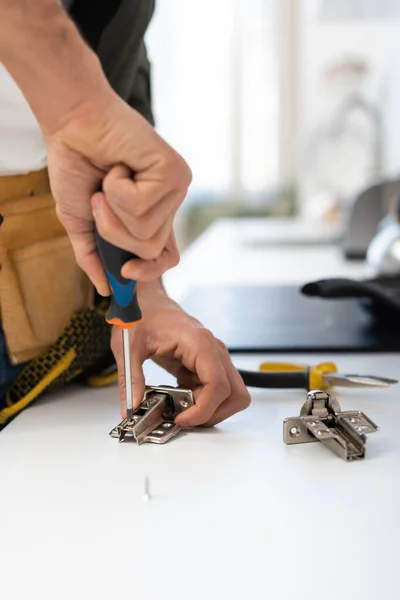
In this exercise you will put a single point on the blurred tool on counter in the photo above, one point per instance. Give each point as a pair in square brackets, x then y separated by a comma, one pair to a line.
[383, 253]
[367, 209]
[378, 298]
[322, 376]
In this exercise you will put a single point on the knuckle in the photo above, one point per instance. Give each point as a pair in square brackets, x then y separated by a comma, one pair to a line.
[185, 173]
[81, 261]
[189, 175]
[224, 387]
[222, 346]
[114, 177]
[146, 253]
[205, 335]
[66, 219]
[60, 212]
[149, 225]
[206, 414]
[104, 229]
[152, 249]
[245, 399]
[137, 382]
[171, 260]
[174, 260]
[138, 208]
[176, 170]
[145, 232]
[108, 183]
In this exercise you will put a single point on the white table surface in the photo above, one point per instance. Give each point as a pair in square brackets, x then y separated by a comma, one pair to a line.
[234, 514]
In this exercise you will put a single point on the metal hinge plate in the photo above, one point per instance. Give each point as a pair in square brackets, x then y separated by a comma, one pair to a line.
[321, 420]
[153, 421]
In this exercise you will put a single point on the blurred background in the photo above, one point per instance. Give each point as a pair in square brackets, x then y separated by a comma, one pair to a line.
[281, 107]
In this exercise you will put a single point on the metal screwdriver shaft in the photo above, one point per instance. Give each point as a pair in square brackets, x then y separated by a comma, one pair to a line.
[127, 372]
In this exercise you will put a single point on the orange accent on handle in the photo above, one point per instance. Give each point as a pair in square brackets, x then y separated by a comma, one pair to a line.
[121, 324]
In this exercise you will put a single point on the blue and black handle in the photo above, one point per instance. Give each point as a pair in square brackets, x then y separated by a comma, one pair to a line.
[124, 309]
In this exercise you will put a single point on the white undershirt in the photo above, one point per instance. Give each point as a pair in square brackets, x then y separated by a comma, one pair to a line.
[22, 148]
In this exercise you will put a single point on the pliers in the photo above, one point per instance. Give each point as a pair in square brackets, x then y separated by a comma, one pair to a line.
[322, 377]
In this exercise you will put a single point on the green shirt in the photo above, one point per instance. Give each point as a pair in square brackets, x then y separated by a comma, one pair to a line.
[115, 29]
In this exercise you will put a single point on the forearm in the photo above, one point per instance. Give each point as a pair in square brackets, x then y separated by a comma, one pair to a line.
[45, 54]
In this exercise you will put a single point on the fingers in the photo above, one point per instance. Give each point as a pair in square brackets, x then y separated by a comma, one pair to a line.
[137, 193]
[82, 239]
[91, 265]
[138, 357]
[115, 231]
[137, 214]
[215, 387]
[222, 392]
[239, 398]
[147, 270]
[141, 199]
[199, 361]
[188, 380]
[138, 383]
[144, 207]
[110, 227]
[146, 226]
[130, 197]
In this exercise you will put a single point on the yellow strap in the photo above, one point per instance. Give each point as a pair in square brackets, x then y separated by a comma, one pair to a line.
[60, 367]
[102, 380]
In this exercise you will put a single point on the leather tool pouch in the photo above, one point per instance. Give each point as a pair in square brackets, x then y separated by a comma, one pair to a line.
[41, 285]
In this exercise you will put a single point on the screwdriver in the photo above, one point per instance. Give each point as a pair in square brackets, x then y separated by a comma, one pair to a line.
[124, 311]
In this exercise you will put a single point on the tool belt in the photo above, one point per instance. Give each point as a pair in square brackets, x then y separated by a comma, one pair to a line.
[49, 314]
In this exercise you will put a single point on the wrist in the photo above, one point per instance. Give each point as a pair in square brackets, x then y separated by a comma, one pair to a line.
[147, 290]
[154, 300]
[152, 295]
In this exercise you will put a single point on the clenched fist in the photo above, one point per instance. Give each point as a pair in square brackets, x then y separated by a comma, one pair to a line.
[144, 182]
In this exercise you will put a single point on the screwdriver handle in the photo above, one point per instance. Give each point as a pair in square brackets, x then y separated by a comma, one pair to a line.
[124, 309]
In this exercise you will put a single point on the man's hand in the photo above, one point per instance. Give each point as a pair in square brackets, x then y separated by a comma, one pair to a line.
[185, 349]
[134, 212]
[92, 134]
